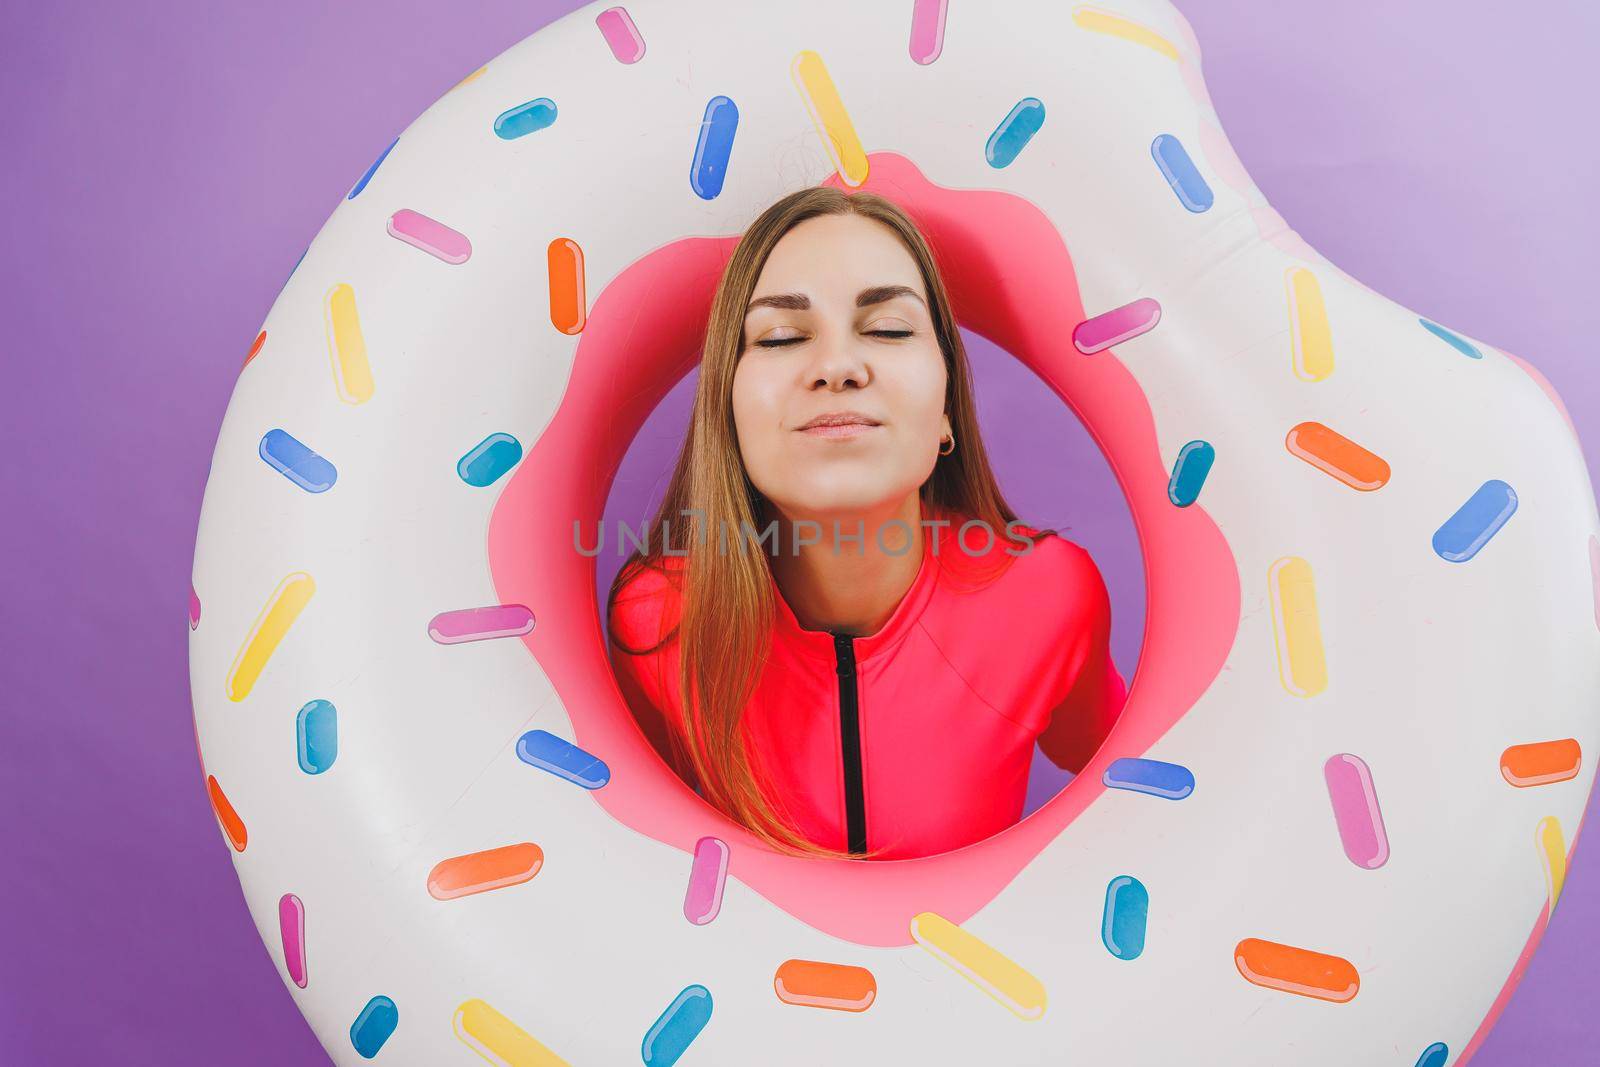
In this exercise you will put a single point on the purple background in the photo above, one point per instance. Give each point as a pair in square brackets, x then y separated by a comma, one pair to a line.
[166, 164]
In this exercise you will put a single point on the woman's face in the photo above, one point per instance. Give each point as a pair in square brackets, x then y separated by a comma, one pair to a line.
[838, 325]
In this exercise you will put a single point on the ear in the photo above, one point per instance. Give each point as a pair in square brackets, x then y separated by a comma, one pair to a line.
[948, 429]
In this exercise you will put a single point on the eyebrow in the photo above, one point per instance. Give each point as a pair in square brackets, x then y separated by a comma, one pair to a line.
[876, 294]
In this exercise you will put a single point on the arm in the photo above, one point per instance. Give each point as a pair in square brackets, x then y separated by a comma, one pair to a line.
[1081, 722]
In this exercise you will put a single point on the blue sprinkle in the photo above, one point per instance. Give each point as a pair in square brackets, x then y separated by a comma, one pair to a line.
[1014, 132]
[489, 459]
[525, 119]
[1189, 472]
[562, 758]
[367, 177]
[678, 1026]
[316, 731]
[1479, 519]
[296, 462]
[1126, 913]
[1169, 780]
[1434, 1055]
[1181, 173]
[297, 263]
[1460, 344]
[709, 167]
[373, 1026]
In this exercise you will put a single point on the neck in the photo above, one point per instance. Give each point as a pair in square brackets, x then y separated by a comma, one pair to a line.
[842, 582]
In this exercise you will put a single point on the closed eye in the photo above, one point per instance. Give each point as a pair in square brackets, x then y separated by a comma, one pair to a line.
[780, 342]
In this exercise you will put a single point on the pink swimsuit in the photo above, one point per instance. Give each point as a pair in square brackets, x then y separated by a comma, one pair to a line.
[917, 739]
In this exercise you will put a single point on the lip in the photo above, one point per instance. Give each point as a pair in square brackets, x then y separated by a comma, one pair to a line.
[839, 425]
[841, 431]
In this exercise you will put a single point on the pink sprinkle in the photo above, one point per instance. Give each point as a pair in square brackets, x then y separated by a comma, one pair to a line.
[1355, 809]
[927, 30]
[1116, 326]
[194, 606]
[1594, 574]
[710, 871]
[617, 27]
[292, 925]
[433, 237]
[479, 624]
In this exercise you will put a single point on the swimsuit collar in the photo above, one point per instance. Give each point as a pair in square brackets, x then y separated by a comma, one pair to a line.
[819, 644]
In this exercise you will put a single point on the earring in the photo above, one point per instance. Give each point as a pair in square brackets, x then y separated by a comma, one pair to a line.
[951, 441]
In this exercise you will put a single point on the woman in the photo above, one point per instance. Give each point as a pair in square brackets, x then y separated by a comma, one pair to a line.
[871, 678]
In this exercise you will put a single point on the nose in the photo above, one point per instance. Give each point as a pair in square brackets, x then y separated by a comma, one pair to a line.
[837, 365]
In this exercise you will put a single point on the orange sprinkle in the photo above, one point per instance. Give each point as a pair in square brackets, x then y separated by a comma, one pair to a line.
[814, 984]
[1541, 762]
[255, 349]
[232, 825]
[567, 302]
[479, 872]
[1296, 970]
[1332, 452]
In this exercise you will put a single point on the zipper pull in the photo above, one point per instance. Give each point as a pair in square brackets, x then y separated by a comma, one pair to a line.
[845, 652]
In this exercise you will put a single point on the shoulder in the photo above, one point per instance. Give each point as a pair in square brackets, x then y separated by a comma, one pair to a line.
[1044, 566]
[1073, 580]
[1055, 557]
[644, 607]
[1048, 598]
[1020, 640]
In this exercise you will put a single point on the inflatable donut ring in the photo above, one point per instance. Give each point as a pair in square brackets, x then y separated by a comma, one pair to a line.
[1336, 815]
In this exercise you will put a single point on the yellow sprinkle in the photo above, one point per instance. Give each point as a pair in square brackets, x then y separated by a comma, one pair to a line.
[283, 607]
[352, 374]
[499, 1040]
[1308, 321]
[832, 120]
[1117, 26]
[1302, 667]
[470, 77]
[981, 964]
[1553, 854]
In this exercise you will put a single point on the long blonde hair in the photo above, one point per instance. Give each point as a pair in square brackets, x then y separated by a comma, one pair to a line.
[725, 595]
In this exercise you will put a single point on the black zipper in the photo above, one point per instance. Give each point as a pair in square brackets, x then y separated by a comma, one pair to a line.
[855, 801]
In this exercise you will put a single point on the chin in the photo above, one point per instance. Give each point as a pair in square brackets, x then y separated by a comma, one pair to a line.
[841, 499]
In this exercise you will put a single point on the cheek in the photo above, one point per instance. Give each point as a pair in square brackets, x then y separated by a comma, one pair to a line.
[755, 409]
[916, 389]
